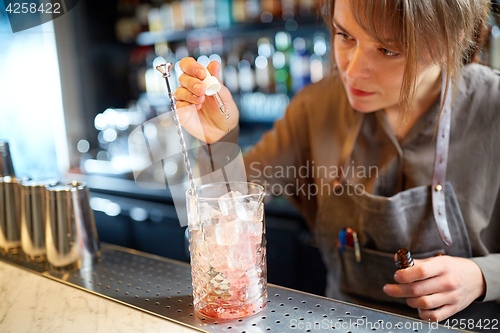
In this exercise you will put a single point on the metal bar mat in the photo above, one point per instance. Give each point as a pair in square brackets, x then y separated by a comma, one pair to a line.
[162, 287]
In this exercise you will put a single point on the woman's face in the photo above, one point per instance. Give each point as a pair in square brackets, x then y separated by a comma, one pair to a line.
[372, 74]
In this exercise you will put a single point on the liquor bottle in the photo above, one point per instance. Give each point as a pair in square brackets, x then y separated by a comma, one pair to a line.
[281, 62]
[265, 68]
[238, 10]
[177, 14]
[154, 20]
[319, 62]
[223, 13]
[271, 9]
[288, 9]
[231, 73]
[299, 64]
[404, 259]
[167, 18]
[246, 78]
[200, 15]
[307, 8]
[252, 10]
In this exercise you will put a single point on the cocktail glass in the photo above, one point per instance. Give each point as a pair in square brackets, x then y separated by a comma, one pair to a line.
[228, 249]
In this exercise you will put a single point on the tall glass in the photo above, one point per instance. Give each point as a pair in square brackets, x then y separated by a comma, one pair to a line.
[228, 249]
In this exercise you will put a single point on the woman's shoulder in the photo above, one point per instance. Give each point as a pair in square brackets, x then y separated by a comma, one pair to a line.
[478, 99]
[475, 77]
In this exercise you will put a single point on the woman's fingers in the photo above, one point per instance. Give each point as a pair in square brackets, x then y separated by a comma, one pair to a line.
[423, 269]
[192, 84]
[214, 68]
[438, 314]
[181, 105]
[184, 95]
[419, 288]
[192, 68]
[431, 301]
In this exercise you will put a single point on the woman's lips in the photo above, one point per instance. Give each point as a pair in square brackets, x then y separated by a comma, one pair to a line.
[359, 93]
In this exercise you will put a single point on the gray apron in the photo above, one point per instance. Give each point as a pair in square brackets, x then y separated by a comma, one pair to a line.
[422, 219]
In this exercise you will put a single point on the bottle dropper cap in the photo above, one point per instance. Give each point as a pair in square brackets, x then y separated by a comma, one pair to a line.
[213, 86]
[211, 83]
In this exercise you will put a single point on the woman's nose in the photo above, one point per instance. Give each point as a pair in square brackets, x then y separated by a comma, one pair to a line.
[359, 65]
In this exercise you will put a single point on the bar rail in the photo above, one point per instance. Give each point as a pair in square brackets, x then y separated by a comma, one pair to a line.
[162, 287]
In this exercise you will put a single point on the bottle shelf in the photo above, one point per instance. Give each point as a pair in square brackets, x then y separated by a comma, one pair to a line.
[300, 27]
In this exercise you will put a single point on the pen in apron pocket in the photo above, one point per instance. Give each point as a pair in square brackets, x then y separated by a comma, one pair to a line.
[349, 240]
[357, 250]
[342, 240]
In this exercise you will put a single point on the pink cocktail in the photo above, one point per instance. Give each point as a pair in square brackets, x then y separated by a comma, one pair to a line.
[228, 249]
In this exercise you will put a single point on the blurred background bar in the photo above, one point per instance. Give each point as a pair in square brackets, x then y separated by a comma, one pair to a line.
[74, 89]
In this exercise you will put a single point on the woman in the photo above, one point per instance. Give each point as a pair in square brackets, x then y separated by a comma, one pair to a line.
[380, 162]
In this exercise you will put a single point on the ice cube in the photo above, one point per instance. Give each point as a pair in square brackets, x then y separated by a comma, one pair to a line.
[249, 211]
[255, 231]
[254, 287]
[227, 233]
[227, 202]
[193, 216]
[209, 234]
[208, 214]
[251, 231]
[243, 255]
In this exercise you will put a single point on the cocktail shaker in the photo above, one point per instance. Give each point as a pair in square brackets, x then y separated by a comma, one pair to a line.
[71, 237]
[10, 213]
[33, 215]
[6, 167]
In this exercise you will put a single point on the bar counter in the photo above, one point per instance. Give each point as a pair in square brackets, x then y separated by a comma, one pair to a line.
[129, 291]
[31, 303]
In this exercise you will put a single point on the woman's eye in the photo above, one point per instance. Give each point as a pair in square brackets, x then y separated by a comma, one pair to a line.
[389, 52]
[343, 35]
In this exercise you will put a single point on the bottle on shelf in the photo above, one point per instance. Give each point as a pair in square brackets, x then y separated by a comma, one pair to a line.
[281, 62]
[167, 18]
[231, 73]
[264, 70]
[299, 64]
[319, 61]
[178, 16]
[223, 13]
[238, 11]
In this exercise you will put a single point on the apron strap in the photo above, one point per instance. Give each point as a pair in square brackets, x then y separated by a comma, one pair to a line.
[440, 162]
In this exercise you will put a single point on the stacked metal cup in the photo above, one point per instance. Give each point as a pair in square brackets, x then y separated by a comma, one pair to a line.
[70, 236]
[33, 215]
[6, 167]
[10, 214]
[10, 207]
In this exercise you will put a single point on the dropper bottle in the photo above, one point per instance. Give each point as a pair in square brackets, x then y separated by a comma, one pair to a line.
[404, 259]
[212, 89]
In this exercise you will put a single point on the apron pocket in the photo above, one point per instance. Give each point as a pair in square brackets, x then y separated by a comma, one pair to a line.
[368, 277]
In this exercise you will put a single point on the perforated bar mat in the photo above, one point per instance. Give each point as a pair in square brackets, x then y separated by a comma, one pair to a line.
[162, 287]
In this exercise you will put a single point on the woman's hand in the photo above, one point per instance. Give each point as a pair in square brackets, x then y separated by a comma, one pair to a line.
[439, 287]
[200, 114]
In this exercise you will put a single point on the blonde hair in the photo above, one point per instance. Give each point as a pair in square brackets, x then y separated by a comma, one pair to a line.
[450, 31]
